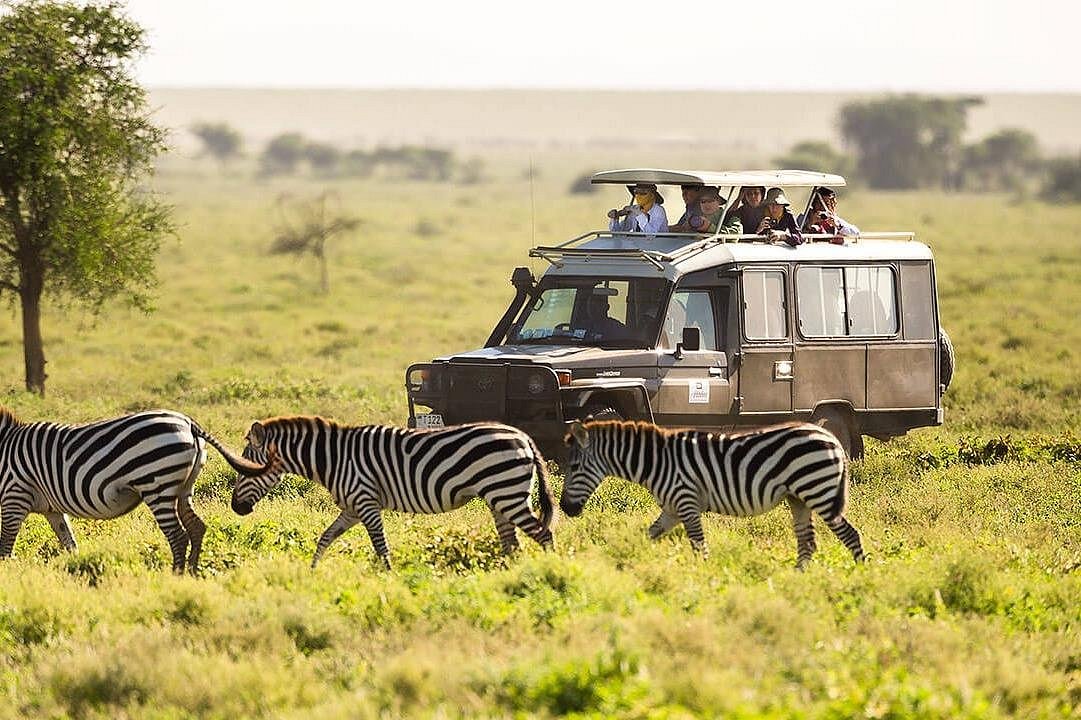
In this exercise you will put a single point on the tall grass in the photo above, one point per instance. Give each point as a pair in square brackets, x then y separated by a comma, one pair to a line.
[968, 605]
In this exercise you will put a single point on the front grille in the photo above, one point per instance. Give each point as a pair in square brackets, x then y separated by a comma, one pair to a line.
[476, 392]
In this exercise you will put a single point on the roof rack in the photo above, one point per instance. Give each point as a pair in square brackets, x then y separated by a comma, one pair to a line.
[696, 243]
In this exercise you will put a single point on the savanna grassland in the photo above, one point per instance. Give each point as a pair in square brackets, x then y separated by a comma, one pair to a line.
[969, 605]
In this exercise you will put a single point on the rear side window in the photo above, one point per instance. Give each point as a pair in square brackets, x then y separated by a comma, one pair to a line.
[850, 301]
[763, 305]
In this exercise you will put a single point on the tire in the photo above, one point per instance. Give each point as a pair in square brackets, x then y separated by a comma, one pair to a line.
[601, 411]
[838, 423]
[947, 362]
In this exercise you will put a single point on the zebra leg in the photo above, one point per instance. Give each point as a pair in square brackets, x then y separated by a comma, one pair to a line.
[60, 526]
[13, 510]
[168, 519]
[505, 529]
[523, 518]
[196, 529]
[692, 523]
[664, 522]
[343, 522]
[848, 535]
[804, 529]
[372, 518]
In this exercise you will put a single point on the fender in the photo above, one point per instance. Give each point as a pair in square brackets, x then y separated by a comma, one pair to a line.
[579, 393]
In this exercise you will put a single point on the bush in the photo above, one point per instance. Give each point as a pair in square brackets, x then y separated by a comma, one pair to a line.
[1063, 180]
[817, 156]
[581, 185]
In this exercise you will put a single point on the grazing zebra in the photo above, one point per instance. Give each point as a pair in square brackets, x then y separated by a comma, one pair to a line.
[102, 470]
[370, 468]
[690, 471]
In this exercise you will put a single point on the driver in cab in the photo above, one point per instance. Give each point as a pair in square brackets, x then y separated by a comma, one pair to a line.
[597, 321]
[646, 214]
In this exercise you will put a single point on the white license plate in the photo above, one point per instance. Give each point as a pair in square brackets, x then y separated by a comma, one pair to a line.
[429, 420]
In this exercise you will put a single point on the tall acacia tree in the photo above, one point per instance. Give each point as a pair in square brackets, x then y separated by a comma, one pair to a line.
[76, 142]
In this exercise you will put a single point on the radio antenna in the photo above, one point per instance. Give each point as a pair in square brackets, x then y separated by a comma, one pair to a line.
[532, 206]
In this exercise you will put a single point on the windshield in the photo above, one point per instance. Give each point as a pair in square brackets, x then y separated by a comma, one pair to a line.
[609, 312]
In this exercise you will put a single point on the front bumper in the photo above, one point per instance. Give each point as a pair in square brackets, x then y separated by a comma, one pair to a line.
[523, 395]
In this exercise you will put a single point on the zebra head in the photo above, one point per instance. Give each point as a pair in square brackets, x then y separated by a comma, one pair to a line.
[585, 470]
[250, 490]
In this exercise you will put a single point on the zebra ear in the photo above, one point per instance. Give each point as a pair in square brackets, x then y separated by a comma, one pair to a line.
[578, 434]
[257, 434]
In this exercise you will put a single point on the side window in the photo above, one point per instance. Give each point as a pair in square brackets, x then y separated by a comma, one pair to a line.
[820, 297]
[763, 305]
[689, 308]
[872, 307]
[838, 302]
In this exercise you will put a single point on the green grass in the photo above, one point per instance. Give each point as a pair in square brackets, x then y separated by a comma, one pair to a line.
[969, 605]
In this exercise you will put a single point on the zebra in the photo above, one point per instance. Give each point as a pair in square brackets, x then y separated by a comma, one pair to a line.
[691, 471]
[102, 470]
[370, 468]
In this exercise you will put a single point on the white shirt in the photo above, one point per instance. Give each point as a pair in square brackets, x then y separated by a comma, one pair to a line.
[655, 221]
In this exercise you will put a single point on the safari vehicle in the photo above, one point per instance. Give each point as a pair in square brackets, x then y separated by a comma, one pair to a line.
[707, 331]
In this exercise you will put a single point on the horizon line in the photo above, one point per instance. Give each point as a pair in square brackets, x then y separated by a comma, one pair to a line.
[519, 88]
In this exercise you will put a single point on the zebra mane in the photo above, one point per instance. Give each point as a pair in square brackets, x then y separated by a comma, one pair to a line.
[292, 421]
[632, 425]
[641, 426]
[7, 418]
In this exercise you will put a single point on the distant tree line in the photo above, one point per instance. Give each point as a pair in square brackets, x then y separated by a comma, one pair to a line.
[291, 153]
[913, 141]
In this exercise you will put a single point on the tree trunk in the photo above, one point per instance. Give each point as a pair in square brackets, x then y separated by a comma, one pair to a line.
[33, 350]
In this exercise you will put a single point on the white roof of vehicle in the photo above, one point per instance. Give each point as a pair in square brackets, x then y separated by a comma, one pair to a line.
[616, 254]
[742, 178]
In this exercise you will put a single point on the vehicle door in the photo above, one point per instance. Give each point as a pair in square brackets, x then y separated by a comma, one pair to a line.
[765, 371]
[838, 310]
[693, 384]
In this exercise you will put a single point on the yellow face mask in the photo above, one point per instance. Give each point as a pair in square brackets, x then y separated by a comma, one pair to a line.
[644, 199]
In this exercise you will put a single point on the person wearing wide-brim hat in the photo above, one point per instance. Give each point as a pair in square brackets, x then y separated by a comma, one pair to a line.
[779, 224]
[646, 214]
[713, 218]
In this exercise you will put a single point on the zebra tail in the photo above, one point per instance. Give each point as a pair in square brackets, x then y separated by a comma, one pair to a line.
[544, 488]
[241, 465]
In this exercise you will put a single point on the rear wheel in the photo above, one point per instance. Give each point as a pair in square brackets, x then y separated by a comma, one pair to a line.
[840, 423]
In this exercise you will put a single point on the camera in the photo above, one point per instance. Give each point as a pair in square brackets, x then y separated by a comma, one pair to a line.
[823, 216]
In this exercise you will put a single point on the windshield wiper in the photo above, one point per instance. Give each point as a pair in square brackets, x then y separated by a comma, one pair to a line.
[550, 340]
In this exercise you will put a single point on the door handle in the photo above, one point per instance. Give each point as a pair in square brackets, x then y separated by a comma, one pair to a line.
[716, 371]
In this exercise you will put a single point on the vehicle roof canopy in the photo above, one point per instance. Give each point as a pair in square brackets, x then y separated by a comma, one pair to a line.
[742, 178]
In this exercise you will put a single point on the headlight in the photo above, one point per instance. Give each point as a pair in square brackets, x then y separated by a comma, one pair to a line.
[424, 379]
[535, 384]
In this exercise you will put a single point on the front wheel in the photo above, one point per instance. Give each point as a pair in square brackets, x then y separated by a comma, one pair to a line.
[600, 411]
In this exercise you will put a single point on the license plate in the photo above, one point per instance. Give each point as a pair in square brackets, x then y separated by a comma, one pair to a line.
[429, 420]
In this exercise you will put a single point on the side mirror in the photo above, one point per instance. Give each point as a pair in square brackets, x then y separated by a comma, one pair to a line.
[692, 341]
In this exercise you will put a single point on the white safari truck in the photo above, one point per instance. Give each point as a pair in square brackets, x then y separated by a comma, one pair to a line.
[707, 331]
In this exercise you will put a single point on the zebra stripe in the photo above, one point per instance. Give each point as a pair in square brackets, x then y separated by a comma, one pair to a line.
[371, 468]
[103, 470]
[690, 472]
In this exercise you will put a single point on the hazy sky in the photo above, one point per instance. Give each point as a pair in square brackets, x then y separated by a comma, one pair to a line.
[923, 45]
